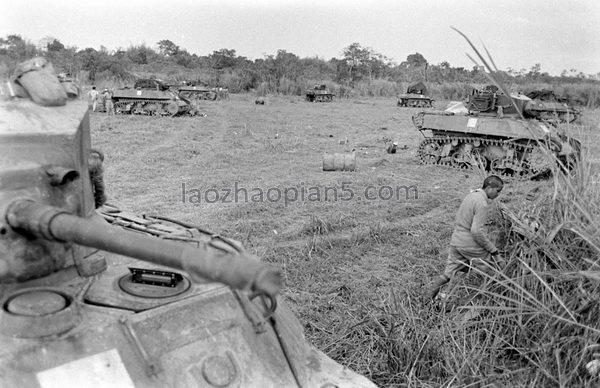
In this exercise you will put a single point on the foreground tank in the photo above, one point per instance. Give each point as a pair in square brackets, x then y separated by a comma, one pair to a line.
[319, 93]
[93, 296]
[150, 97]
[491, 134]
[415, 97]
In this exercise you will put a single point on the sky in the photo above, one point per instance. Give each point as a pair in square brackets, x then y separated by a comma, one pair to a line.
[557, 34]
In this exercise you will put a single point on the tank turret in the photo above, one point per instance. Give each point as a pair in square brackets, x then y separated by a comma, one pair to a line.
[93, 296]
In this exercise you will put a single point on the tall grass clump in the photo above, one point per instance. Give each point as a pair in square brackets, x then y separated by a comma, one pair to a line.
[540, 316]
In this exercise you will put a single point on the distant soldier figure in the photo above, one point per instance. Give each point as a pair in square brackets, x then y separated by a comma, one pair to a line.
[93, 98]
[223, 93]
[469, 244]
[107, 96]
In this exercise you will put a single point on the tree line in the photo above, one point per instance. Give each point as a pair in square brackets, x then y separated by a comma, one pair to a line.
[360, 70]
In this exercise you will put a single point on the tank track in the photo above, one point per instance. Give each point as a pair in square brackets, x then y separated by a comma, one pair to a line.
[519, 161]
[141, 107]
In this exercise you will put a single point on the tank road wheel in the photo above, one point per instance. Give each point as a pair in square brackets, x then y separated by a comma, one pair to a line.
[429, 151]
[136, 109]
[460, 160]
[497, 168]
[120, 108]
[538, 161]
[172, 108]
[152, 109]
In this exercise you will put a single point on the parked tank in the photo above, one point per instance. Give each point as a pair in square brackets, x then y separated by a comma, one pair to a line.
[95, 296]
[190, 92]
[493, 135]
[549, 107]
[319, 93]
[415, 97]
[69, 84]
[150, 97]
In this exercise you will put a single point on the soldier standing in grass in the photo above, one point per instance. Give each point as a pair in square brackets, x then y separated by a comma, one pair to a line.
[470, 245]
[107, 96]
[93, 95]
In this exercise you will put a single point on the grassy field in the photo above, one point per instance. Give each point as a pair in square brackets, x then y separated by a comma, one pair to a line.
[356, 269]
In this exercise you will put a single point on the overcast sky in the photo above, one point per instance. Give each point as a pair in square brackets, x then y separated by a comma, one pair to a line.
[557, 34]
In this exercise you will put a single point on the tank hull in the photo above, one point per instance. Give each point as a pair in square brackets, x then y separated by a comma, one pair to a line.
[545, 105]
[414, 100]
[552, 111]
[195, 92]
[482, 126]
[318, 96]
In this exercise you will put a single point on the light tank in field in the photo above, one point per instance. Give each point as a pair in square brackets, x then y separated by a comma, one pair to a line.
[93, 296]
[151, 97]
[190, 91]
[415, 97]
[319, 93]
[491, 133]
[549, 107]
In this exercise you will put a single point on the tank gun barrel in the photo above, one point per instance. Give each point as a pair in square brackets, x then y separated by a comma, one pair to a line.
[236, 269]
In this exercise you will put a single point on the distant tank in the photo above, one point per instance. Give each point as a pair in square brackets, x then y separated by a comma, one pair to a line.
[190, 91]
[150, 97]
[549, 107]
[492, 134]
[415, 97]
[69, 84]
[93, 296]
[319, 93]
